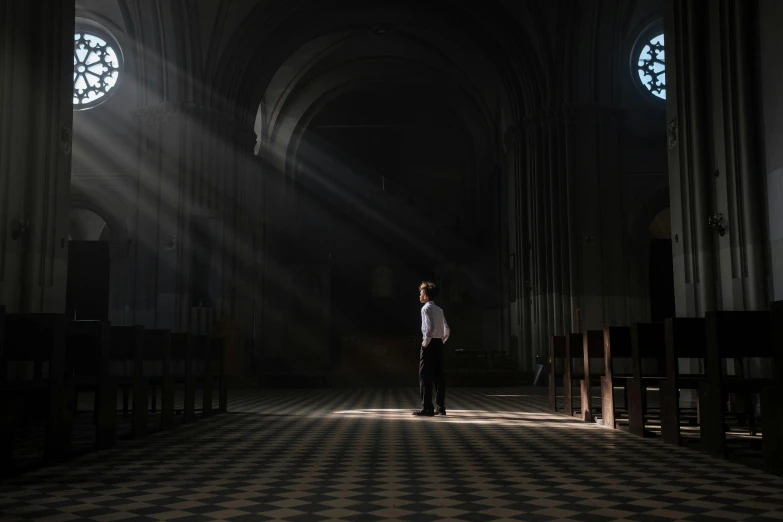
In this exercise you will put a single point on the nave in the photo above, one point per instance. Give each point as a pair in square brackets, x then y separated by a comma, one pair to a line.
[359, 455]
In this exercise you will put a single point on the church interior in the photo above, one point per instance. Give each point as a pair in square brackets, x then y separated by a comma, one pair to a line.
[216, 226]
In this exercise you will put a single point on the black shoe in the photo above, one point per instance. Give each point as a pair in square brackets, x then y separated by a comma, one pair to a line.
[424, 413]
[441, 411]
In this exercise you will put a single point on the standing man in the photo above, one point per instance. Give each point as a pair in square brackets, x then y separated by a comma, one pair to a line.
[435, 332]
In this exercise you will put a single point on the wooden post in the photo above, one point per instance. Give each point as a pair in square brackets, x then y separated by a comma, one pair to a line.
[607, 384]
[587, 400]
[552, 385]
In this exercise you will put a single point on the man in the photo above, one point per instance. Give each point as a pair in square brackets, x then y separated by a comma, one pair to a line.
[435, 332]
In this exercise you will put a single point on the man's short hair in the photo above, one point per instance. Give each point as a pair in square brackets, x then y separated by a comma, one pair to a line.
[429, 288]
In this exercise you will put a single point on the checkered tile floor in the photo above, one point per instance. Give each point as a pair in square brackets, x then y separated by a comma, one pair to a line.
[359, 455]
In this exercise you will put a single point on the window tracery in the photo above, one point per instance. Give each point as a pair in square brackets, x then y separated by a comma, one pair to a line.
[96, 69]
[651, 66]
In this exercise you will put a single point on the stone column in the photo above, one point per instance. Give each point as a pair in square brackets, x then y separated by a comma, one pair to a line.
[599, 282]
[716, 183]
[571, 233]
[771, 48]
[36, 93]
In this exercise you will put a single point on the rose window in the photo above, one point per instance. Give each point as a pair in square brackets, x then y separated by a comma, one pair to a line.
[652, 67]
[96, 69]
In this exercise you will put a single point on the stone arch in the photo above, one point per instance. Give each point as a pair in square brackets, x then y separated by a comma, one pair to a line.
[500, 34]
[652, 200]
[83, 200]
[119, 249]
[307, 80]
[287, 143]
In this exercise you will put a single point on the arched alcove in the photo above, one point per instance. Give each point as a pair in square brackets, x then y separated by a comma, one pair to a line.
[89, 261]
[86, 225]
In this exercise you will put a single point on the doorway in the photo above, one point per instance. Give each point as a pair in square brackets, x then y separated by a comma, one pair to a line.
[661, 270]
[88, 287]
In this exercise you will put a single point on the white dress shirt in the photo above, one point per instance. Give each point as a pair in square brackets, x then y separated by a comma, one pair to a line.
[433, 324]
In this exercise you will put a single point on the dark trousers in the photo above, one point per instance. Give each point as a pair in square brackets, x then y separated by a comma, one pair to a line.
[431, 373]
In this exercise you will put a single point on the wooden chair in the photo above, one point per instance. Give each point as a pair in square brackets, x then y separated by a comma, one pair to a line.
[127, 368]
[32, 377]
[88, 352]
[157, 373]
[557, 364]
[684, 339]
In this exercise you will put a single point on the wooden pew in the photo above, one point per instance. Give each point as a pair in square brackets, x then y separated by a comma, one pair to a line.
[32, 373]
[219, 373]
[199, 356]
[684, 339]
[557, 354]
[648, 342]
[2, 330]
[157, 373]
[215, 377]
[592, 348]
[182, 371]
[207, 356]
[731, 335]
[127, 368]
[772, 398]
[573, 349]
[88, 352]
[617, 345]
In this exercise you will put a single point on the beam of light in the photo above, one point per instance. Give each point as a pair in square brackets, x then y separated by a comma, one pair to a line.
[158, 198]
[500, 418]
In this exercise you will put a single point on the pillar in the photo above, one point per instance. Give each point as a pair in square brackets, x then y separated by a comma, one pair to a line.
[36, 115]
[716, 182]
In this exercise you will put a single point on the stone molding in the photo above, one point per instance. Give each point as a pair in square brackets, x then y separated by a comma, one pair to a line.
[572, 112]
[151, 115]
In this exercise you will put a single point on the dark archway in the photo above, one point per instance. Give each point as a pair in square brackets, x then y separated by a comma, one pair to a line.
[89, 280]
[660, 268]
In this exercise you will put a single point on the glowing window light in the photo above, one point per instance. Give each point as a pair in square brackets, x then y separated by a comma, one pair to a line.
[652, 67]
[96, 69]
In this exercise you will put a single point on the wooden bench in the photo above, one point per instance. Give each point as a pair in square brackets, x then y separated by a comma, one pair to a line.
[557, 364]
[127, 369]
[732, 335]
[684, 339]
[580, 347]
[635, 344]
[616, 346]
[157, 373]
[215, 377]
[2, 330]
[592, 349]
[573, 349]
[182, 372]
[772, 398]
[648, 343]
[88, 352]
[32, 376]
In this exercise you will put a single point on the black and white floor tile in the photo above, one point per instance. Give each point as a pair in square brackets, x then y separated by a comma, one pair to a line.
[359, 455]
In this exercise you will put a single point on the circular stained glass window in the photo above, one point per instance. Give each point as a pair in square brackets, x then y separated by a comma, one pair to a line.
[96, 69]
[651, 66]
